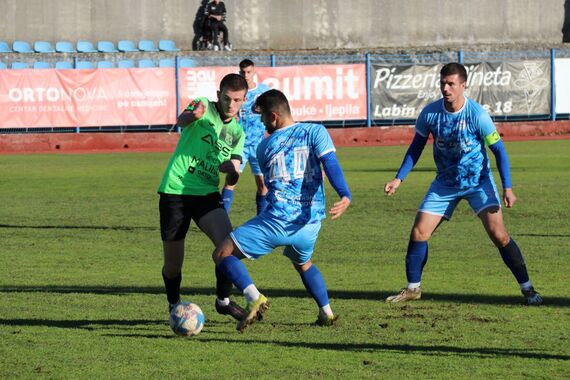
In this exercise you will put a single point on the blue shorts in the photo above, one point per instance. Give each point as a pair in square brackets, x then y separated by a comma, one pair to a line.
[442, 200]
[250, 155]
[262, 234]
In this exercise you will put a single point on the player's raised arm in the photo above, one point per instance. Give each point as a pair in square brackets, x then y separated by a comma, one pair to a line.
[410, 159]
[336, 178]
[193, 112]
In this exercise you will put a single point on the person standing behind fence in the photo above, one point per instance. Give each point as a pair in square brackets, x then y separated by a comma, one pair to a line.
[461, 129]
[216, 15]
[254, 133]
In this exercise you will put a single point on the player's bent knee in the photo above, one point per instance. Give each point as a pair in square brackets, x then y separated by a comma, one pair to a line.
[223, 250]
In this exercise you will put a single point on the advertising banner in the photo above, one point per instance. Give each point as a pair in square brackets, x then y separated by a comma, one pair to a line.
[562, 80]
[401, 92]
[69, 98]
[511, 88]
[502, 88]
[315, 92]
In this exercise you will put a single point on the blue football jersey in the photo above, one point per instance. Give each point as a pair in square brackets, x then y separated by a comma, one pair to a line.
[290, 161]
[250, 121]
[459, 148]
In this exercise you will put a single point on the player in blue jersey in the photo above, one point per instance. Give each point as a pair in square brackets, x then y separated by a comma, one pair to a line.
[290, 159]
[461, 129]
[254, 133]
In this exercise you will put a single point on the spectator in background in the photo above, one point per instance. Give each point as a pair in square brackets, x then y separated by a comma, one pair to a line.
[199, 25]
[216, 15]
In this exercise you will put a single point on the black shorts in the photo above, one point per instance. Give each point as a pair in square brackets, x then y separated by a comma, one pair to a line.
[177, 210]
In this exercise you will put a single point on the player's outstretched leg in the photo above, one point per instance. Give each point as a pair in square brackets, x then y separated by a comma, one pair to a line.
[514, 260]
[257, 303]
[315, 285]
[416, 259]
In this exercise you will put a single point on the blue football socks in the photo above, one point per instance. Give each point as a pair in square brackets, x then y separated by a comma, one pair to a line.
[315, 285]
[416, 259]
[261, 203]
[227, 198]
[232, 267]
[513, 258]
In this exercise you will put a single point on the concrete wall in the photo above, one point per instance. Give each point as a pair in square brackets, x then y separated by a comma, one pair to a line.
[294, 24]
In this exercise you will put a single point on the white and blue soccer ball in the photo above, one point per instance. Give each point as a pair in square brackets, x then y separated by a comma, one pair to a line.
[186, 319]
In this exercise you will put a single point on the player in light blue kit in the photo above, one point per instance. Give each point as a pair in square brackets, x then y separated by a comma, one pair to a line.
[290, 159]
[460, 128]
[254, 133]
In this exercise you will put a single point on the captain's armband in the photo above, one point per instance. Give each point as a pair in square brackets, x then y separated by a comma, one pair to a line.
[492, 138]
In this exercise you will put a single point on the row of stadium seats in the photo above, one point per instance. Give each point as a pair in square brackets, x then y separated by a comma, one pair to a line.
[124, 64]
[88, 47]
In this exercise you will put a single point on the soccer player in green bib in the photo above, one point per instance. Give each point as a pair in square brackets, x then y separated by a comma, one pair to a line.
[211, 143]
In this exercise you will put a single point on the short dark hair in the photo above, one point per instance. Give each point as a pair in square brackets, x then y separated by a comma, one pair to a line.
[233, 82]
[246, 63]
[454, 68]
[273, 101]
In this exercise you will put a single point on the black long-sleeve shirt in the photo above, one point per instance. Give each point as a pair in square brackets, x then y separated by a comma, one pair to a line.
[216, 9]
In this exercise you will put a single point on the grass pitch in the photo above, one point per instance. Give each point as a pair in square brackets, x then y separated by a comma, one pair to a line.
[81, 294]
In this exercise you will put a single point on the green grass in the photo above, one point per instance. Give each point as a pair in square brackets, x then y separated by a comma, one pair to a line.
[81, 294]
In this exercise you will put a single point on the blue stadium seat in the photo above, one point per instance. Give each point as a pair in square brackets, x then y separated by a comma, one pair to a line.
[20, 65]
[147, 45]
[167, 45]
[21, 47]
[126, 46]
[3, 65]
[145, 63]
[4, 47]
[63, 65]
[106, 47]
[43, 47]
[41, 65]
[82, 65]
[64, 47]
[104, 65]
[166, 62]
[126, 64]
[85, 47]
[187, 62]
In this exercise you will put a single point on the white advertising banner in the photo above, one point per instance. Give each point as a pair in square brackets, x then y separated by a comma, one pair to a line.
[562, 80]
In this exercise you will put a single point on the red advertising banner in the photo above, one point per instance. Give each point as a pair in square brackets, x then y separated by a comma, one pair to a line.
[66, 98]
[315, 92]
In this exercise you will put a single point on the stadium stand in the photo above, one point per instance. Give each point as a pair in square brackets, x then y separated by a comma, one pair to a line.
[85, 47]
[147, 45]
[43, 47]
[82, 65]
[4, 47]
[125, 64]
[105, 65]
[106, 47]
[167, 45]
[3, 65]
[166, 62]
[187, 62]
[42, 65]
[126, 46]
[20, 65]
[64, 47]
[63, 65]
[21, 47]
[146, 63]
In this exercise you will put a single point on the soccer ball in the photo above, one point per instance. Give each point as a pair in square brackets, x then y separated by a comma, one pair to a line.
[186, 319]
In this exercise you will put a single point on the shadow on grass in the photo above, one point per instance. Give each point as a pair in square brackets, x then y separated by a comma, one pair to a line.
[111, 228]
[404, 348]
[380, 295]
